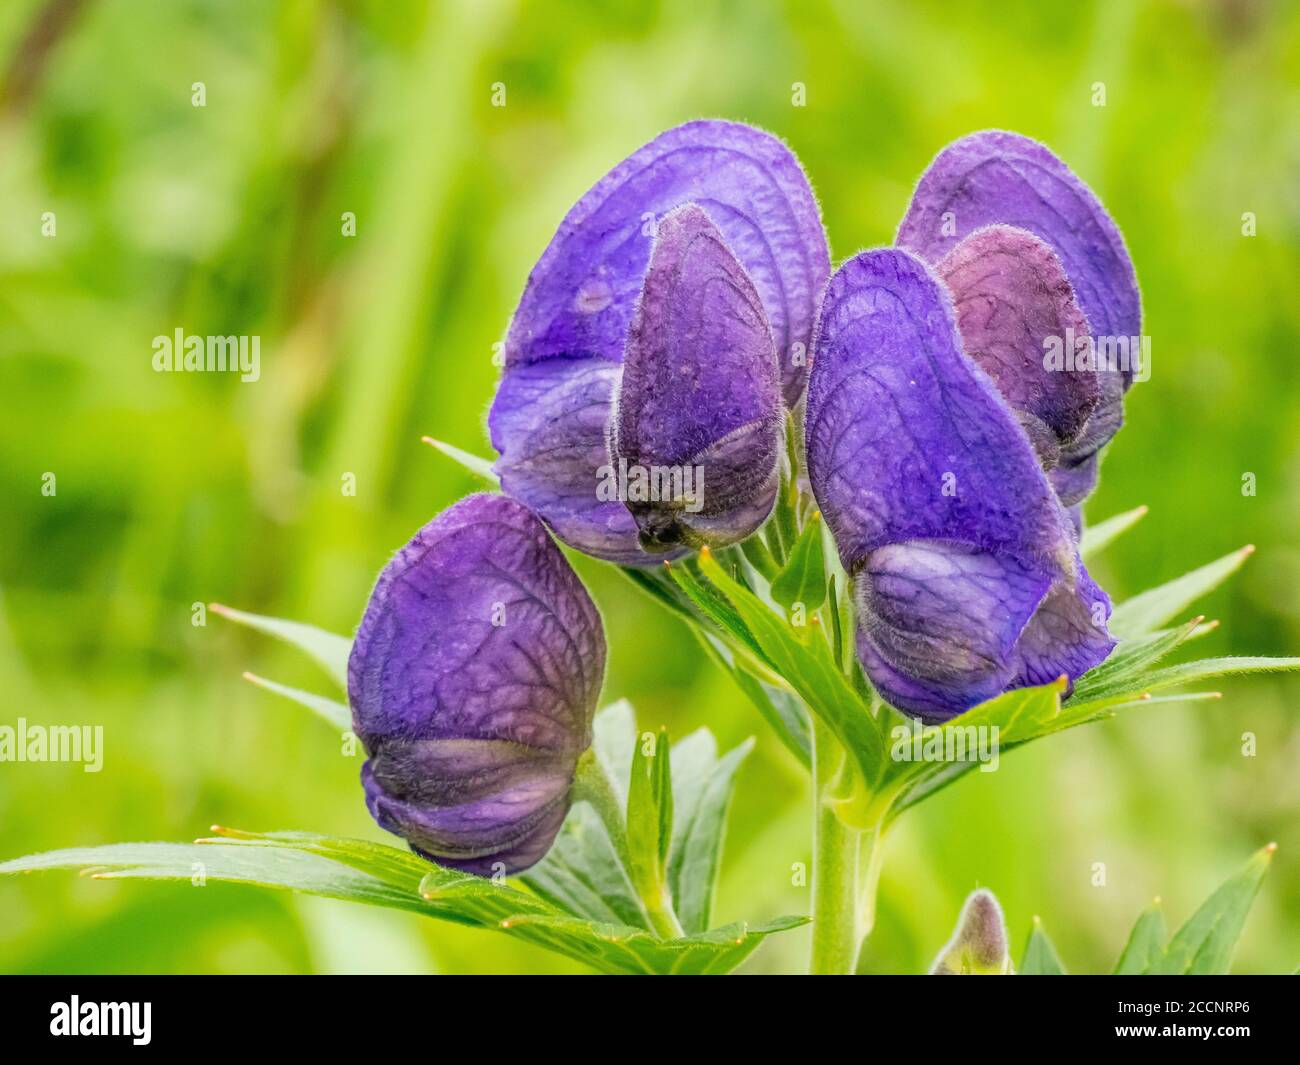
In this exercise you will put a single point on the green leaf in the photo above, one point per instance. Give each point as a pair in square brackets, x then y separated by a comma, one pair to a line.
[758, 555]
[288, 868]
[780, 709]
[1190, 673]
[803, 579]
[480, 467]
[1146, 943]
[328, 649]
[649, 813]
[1146, 612]
[653, 583]
[1097, 537]
[809, 668]
[1020, 716]
[1205, 943]
[582, 873]
[1040, 957]
[614, 949]
[703, 785]
[331, 711]
[717, 608]
[613, 737]
[1128, 660]
[359, 871]
[583, 876]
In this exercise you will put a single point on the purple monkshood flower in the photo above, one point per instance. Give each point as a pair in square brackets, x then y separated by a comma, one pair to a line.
[1018, 290]
[700, 391]
[692, 317]
[473, 681]
[967, 577]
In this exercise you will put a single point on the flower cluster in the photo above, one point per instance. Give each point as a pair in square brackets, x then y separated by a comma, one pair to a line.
[662, 345]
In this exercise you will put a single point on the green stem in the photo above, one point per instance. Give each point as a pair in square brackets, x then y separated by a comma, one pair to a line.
[870, 857]
[836, 928]
[592, 785]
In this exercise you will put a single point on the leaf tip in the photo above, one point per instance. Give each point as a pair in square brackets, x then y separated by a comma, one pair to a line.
[1270, 849]
[1247, 551]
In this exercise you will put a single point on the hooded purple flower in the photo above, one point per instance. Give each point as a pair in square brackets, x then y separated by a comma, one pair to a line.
[999, 179]
[564, 353]
[966, 574]
[699, 396]
[473, 680]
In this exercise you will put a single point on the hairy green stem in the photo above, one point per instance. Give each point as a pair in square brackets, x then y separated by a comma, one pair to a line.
[836, 932]
[592, 785]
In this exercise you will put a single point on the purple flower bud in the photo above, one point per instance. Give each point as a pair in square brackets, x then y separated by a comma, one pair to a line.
[979, 946]
[966, 575]
[700, 396]
[565, 348]
[473, 680]
[999, 178]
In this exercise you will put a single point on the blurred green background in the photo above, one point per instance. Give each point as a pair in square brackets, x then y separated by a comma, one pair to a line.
[226, 218]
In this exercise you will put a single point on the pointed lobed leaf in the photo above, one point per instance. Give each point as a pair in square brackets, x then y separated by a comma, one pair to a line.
[476, 465]
[701, 800]
[1149, 610]
[808, 667]
[1020, 716]
[1146, 943]
[331, 711]
[1040, 958]
[649, 812]
[803, 578]
[583, 876]
[327, 649]
[717, 608]
[780, 709]
[1097, 537]
[1205, 943]
[1124, 669]
[359, 871]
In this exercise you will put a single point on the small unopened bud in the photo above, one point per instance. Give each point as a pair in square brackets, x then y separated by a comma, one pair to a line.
[979, 946]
